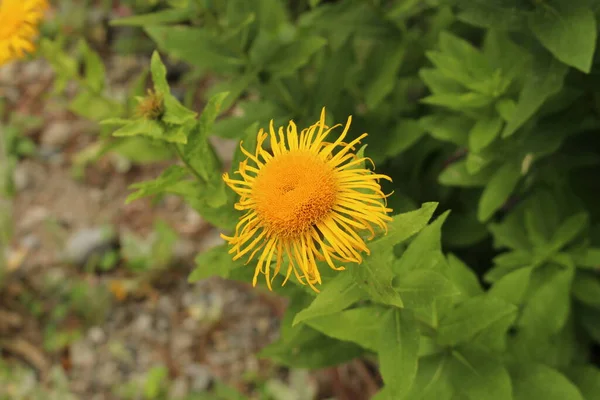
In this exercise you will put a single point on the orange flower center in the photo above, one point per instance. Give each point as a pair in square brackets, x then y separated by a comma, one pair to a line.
[293, 192]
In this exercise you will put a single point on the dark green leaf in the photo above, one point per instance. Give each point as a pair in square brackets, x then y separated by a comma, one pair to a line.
[295, 55]
[448, 128]
[456, 174]
[463, 277]
[214, 262]
[484, 132]
[587, 379]
[155, 18]
[586, 288]
[386, 75]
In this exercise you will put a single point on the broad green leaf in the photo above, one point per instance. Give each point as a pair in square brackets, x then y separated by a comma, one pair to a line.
[156, 18]
[159, 74]
[142, 151]
[538, 381]
[336, 295]
[569, 230]
[94, 106]
[422, 251]
[375, 276]
[463, 229]
[448, 128]
[588, 258]
[419, 288]
[459, 101]
[471, 317]
[587, 379]
[545, 80]
[494, 337]
[404, 226]
[194, 45]
[95, 72]
[215, 261]
[479, 376]
[406, 133]
[385, 77]
[463, 277]
[512, 286]
[510, 234]
[433, 379]
[547, 310]
[398, 349]
[568, 31]
[438, 82]
[360, 325]
[309, 348]
[456, 174]
[169, 177]
[498, 190]
[295, 55]
[484, 132]
[586, 288]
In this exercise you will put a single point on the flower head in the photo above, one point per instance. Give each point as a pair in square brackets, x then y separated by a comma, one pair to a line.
[19, 21]
[306, 199]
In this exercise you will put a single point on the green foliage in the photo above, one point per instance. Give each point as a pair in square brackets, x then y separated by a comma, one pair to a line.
[485, 108]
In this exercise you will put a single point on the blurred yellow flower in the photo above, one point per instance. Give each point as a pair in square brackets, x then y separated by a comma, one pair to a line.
[307, 199]
[19, 21]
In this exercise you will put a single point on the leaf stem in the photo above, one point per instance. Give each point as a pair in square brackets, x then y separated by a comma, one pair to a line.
[187, 164]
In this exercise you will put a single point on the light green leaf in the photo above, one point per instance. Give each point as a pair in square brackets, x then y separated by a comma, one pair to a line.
[471, 317]
[159, 74]
[463, 277]
[586, 289]
[359, 325]
[169, 177]
[433, 379]
[498, 190]
[568, 31]
[588, 258]
[545, 80]
[375, 276]
[422, 252]
[512, 287]
[569, 230]
[420, 288]
[398, 349]
[538, 381]
[95, 72]
[484, 132]
[404, 226]
[479, 376]
[336, 295]
[215, 261]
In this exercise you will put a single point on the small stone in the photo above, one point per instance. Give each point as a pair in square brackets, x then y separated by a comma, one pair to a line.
[30, 242]
[181, 341]
[166, 305]
[87, 242]
[21, 178]
[57, 134]
[143, 324]
[179, 389]
[96, 335]
[33, 217]
[82, 355]
[200, 376]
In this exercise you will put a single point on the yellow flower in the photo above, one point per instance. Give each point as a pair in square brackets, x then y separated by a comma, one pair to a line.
[19, 21]
[306, 199]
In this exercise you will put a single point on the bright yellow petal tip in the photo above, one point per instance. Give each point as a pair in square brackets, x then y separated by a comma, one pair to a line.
[307, 199]
[19, 20]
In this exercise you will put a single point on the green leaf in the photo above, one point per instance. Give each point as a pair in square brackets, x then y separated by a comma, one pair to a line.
[586, 289]
[538, 381]
[153, 129]
[588, 258]
[249, 143]
[295, 55]
[459, 101]
[398, 349]
[336, 295]
[156, 18]
[404, 226]
[498, 190]
[196, 46]
[169, 177]
[471, 317]
[422, 252]
[479, 376]
[359, 325]
[512, 287]
[545, 80]
[215, 261]
[448, 128]
[568, 31]
[433, 379]
[95, 72]
[199, 152]
[569, 230]
[159, 74]
[463, 277]
[420, 288]
[375, 276]
[484, 132]
[587, 379]
[456, 174]
[385, 77]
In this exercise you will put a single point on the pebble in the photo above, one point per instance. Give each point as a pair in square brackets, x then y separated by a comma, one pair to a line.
[82, 355]
[200, 376]
[21, 177]
[179, 389]
[57, 134]
[143, 324]
[96, 335]
[82, 244]
[33, 216]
